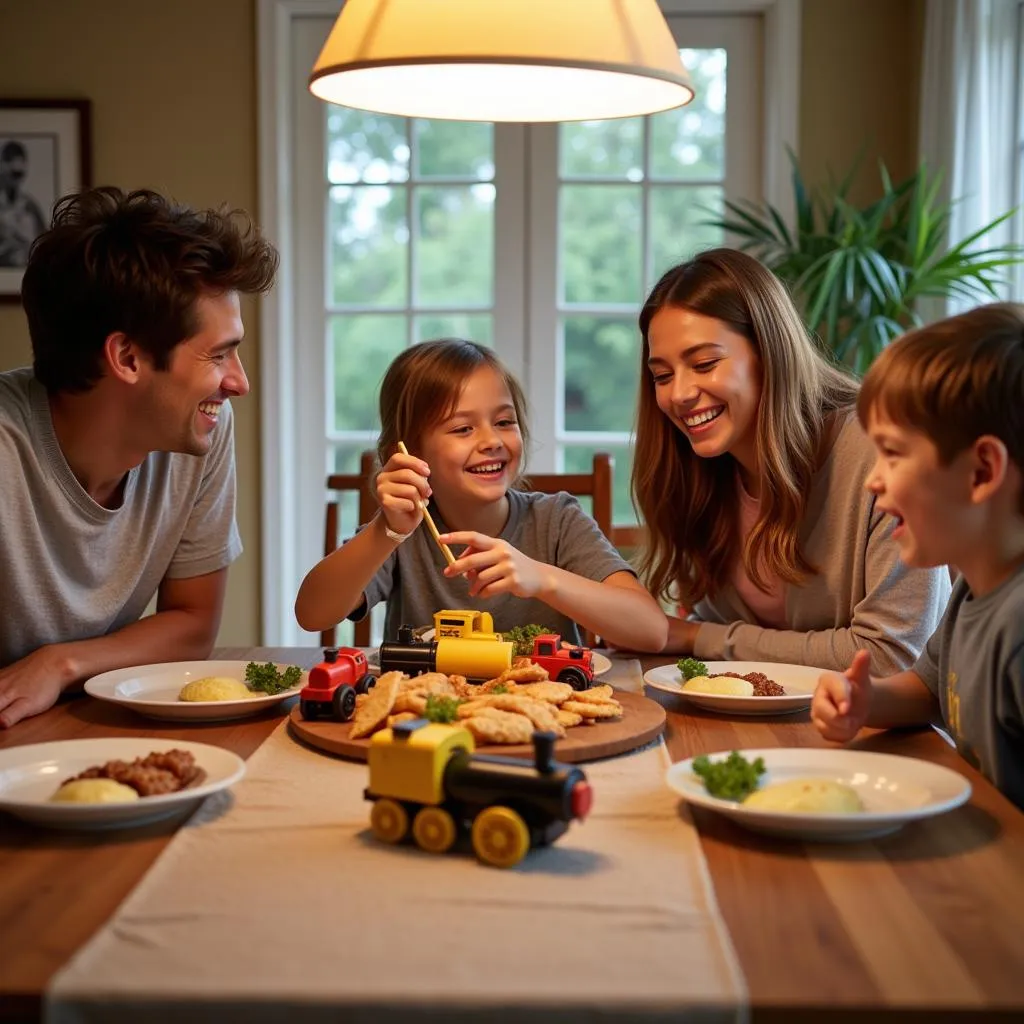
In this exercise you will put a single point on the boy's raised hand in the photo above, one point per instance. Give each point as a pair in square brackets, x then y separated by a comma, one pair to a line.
[492, 566]
[400, 484]
[842, 701]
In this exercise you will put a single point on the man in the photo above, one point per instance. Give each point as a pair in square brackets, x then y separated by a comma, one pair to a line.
[116, 448]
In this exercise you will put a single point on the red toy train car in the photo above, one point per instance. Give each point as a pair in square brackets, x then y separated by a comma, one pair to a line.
[331, 689]
[566, 663]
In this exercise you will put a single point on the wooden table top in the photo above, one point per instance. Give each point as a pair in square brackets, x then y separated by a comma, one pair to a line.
[929, 920]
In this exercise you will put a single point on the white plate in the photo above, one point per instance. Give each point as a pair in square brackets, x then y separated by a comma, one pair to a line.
[30, 775]
[798, 681]
[152, 690]
[894, 790]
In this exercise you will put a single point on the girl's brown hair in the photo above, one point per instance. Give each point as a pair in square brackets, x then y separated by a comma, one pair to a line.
[686, 500]
[422, 387]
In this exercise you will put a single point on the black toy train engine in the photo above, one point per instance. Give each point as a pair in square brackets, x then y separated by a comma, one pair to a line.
[547, 794]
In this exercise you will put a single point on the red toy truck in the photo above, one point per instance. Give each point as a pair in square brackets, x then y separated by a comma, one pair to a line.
[566, 663]
[332, 686]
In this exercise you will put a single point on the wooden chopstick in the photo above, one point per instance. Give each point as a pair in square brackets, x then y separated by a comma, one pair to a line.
[445, 550]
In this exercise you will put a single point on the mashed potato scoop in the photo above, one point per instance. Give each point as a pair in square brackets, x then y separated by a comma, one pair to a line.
[94, 791]
[215, 688]
[806, 796]
[723, 686]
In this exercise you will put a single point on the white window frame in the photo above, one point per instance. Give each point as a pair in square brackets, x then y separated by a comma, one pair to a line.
[281, 403]
[545, 372]
[316, 430]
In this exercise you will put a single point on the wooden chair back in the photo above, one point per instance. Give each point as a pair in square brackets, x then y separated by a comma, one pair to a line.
[597, 485]
[628, 538]
[338, 483]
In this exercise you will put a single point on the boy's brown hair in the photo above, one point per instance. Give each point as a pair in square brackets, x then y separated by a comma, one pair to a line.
[955, 381]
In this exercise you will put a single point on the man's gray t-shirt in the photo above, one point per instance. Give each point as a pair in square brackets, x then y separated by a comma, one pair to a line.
[72, 569]
[549, 528]
[974, 664]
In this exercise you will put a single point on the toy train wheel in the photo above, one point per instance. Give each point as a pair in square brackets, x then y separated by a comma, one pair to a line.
[389, 821]
[500, 837]
[343, 703]
[366, 684]
[308, 709]
[434, 830]
[575, 678]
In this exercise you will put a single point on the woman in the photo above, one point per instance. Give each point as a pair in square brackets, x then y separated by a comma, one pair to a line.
[749, 472]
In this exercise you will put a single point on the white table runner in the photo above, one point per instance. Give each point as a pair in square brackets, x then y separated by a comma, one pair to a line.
[277, 902]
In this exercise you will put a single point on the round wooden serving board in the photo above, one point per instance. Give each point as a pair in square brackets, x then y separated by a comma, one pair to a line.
[642, 720]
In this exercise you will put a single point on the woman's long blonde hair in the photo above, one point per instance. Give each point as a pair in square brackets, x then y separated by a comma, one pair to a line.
[688, 502]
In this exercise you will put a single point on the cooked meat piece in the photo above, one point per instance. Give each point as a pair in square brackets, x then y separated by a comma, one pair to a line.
[152, 775]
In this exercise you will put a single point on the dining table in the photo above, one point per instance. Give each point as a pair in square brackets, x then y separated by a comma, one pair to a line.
[927, 922]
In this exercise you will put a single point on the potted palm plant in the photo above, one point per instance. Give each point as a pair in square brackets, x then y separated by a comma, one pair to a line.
[858, 273]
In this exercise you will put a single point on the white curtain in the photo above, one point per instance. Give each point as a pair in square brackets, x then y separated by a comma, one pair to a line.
[970, 91]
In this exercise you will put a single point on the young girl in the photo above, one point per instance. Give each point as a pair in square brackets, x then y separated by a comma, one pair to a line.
[527, 557]
[749, 472]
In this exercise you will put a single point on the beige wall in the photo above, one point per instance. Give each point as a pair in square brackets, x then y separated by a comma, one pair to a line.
[860, 74]
[173, 94]
[174, 108]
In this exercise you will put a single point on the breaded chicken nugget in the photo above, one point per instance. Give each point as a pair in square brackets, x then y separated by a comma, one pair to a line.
[376, 709]
[508, 728]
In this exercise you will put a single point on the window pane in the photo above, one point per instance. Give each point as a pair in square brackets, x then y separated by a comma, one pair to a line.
[689, 143]
[448, 149]
[368, 236]
[602, 359]
[677, 231]
[365, 147]
[602, 149]
[471, 326]
[599, 234]
[581, 460]
[454, 251]
[363, 347]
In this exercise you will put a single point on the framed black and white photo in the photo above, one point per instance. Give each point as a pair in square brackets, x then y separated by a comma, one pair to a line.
[44, 154]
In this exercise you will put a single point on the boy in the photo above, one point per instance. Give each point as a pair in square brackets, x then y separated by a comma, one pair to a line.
[944, 406]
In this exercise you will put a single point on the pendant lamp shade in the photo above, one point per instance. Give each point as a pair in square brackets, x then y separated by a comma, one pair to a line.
[502, 60]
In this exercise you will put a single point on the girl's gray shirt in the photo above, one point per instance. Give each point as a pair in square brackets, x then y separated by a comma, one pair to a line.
[550, 528]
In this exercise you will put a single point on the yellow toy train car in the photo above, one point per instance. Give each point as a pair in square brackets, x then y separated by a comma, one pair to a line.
[465, 623]
[429, 775]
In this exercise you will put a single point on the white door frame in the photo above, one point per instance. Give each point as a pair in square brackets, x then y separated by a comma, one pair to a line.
[276, 75]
